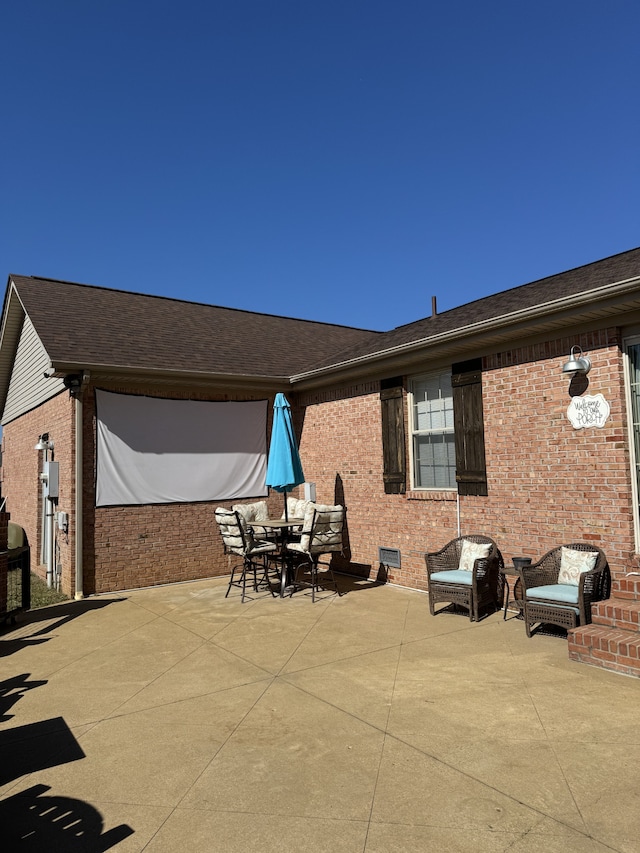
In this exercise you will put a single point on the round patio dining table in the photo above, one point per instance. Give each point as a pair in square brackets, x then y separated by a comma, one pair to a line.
[284, 526]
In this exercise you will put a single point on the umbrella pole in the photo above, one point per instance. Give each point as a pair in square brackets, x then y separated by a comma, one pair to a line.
[286, 511]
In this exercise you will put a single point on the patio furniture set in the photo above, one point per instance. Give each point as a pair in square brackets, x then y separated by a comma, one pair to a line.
[283, 555]
[287, 549]
[558, 589]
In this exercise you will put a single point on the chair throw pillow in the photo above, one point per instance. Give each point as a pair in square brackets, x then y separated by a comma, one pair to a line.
[472, 551]
[574, 563]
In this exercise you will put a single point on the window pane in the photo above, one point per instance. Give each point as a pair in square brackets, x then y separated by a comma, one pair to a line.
[435, 461]
[433, 403]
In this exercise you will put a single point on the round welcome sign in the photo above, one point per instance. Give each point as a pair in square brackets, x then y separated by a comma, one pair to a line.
[588, 411]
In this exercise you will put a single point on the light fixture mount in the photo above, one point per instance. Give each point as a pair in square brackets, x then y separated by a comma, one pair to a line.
[44, 442]
[578, 363]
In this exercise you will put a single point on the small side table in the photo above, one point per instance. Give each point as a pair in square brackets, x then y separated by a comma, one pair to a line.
[511, 574]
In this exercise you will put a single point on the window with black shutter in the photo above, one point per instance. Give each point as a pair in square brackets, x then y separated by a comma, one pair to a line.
[393, 447]
[471, 469]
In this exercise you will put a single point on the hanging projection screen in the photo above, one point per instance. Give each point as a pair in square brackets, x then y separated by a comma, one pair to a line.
[152, 450]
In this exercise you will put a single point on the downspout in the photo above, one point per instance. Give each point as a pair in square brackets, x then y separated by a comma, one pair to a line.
[79, 586]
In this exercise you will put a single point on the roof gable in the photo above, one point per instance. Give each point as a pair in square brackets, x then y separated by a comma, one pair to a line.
[29, 385]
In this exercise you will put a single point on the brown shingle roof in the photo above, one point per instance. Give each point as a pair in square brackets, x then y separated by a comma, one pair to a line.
[88, 325]
[582, 279]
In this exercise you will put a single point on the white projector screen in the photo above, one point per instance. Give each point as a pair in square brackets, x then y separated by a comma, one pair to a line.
[152, 450]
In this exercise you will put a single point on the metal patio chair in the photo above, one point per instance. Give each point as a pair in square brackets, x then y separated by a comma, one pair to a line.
[240, 540]
[322, 533]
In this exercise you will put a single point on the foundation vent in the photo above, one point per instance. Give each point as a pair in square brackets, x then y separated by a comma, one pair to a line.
[389, 557]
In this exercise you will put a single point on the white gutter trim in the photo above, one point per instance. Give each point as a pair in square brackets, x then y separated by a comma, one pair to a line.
[617, 288]
[64, 367]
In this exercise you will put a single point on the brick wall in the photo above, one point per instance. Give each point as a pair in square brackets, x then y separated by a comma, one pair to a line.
[555, 483]
[123, 547]
[547, 482]
[20, 476]
[135, 546]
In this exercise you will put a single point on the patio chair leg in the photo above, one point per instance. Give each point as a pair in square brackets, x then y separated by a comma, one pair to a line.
[314, 580]
[232, 581]
[244, 583]
[527, 626]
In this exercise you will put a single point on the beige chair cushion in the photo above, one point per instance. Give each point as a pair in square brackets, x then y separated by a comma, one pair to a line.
[472, 551]
[574, 563]
[230, 530]
[252, 513]
[327, 533]
[297, 507]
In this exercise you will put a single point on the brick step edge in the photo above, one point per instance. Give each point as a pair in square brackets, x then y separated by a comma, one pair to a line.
[615, 650]
[626, 586]
[617, 613]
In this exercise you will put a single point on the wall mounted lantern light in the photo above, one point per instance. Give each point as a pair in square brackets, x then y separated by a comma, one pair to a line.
[44, 443]
[578, 363]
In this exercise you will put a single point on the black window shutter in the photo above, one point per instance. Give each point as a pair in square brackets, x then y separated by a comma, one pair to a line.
[468, 420]
[394, 465]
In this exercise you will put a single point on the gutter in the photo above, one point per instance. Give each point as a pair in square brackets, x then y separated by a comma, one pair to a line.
[538, 311]
[114, 372]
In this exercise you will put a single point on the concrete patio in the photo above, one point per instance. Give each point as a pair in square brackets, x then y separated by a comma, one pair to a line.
[173, 719]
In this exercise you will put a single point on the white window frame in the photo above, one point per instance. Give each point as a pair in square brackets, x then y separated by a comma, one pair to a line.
[414, 432]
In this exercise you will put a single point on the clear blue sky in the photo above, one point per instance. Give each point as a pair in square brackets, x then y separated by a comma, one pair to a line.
[340, 161]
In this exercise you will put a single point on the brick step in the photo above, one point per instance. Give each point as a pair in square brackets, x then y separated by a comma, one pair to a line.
[608, 648]
[626, 586]
[618, 613]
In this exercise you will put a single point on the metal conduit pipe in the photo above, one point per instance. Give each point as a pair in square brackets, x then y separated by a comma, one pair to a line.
[51, 543]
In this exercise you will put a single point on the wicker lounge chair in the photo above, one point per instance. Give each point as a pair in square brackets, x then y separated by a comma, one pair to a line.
[550, 599]
[473, 583]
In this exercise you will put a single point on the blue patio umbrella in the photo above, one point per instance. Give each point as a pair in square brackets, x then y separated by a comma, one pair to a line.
[284, 469]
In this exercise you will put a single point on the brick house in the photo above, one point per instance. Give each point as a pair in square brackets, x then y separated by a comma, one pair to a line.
[456, 423]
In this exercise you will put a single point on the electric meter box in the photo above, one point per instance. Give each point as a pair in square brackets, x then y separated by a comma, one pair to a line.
[51, 480]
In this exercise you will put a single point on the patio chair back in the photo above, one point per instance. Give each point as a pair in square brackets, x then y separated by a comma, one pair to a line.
[251, 514]
[236, 539]
[322, 531]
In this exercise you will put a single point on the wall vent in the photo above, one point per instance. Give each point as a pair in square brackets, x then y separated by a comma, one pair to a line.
[389, 557]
